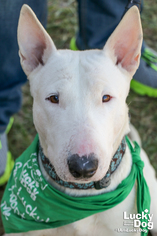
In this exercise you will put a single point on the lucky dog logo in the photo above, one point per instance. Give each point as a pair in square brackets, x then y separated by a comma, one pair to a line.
[136, 222]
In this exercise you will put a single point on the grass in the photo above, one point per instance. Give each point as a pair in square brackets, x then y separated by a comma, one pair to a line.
[62, 26]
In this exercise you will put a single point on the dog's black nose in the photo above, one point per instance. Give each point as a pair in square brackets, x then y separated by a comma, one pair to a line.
[82, 167]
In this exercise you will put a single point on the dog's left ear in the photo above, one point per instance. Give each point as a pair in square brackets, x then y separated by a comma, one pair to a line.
[35, 45]
[124, 45]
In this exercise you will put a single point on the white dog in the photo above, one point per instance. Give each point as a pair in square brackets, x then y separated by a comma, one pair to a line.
[81, 116]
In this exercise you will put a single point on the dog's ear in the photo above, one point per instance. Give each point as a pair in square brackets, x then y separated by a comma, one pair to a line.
[124, 45]
[35, 45]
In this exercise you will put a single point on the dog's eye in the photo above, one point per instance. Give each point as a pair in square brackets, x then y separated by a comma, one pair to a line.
[106, 98]
[53, 98]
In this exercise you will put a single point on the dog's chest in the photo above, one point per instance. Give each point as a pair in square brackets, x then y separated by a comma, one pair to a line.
[108, 222]
[105, 223]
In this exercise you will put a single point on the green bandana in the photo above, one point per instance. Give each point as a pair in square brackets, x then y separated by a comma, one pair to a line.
[29, 199]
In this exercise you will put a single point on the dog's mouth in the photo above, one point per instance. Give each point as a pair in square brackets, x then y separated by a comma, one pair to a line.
[103, 183]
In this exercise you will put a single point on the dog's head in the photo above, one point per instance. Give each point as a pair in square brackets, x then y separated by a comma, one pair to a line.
[79, 107]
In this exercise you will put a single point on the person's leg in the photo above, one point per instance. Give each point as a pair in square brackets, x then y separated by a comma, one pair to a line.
[11, 74]
[97, 20]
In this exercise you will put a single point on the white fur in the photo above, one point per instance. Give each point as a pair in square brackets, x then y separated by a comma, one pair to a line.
[81, 123]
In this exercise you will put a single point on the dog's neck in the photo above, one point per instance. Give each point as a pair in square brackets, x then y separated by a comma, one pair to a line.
[103, 183]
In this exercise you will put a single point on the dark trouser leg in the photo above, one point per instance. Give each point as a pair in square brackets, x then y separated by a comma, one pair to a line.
[97, 20]
[11, 75]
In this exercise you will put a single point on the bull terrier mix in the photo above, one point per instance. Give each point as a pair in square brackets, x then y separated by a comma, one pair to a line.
[81, 176]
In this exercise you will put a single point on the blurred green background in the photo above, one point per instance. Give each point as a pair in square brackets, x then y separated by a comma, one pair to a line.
[62, 26]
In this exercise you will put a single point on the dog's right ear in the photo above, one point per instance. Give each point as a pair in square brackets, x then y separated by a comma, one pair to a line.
[35, 45]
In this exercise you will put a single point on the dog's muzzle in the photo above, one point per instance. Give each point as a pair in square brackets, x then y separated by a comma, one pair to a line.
[87, 171]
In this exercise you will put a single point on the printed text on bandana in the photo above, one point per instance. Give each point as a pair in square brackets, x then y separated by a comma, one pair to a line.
[29, 183]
